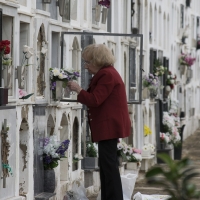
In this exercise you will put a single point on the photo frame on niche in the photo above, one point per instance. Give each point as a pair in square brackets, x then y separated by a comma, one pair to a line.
[127, 48]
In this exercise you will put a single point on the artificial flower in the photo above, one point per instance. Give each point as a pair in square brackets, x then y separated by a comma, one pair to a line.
[147, 131]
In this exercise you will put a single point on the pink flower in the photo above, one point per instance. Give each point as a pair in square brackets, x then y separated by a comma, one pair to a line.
[22, 93]
[137, 150]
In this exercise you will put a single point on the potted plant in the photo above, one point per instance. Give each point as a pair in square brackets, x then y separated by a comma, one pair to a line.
[133, 160]
[91, 159]
[176, 178]
[53, 151]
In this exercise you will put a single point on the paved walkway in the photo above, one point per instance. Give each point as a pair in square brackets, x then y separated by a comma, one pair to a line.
[191, 149]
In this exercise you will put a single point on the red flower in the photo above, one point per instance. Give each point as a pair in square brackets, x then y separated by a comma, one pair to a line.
[7, 50]
[171, 86]
[5, 47]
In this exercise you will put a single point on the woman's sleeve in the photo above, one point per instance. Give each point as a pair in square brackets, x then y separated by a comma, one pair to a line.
[102, 90]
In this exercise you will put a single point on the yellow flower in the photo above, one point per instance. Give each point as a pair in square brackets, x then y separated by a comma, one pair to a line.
[147, 131]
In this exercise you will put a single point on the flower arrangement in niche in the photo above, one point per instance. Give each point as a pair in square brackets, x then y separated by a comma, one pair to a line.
[91, 149]
[77, 157]
[147, 130]
[170, 82]
[127, 152]
[186, 59]
[5, 52]
[63, 75]
[53, 151]
[158, 69]
[105, 3]
[151, 82]
[4, 47]
[164, 138]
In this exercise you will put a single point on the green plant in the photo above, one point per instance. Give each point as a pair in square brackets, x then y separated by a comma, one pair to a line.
[91, 151]
[176, 179]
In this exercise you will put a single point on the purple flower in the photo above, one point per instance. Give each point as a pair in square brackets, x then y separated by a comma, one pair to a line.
[45, 141]
[105, 3]
[63, 147]
[76, 74]
[47, 159]
[53, 85]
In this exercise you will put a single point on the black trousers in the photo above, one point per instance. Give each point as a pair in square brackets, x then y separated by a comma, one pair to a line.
[111, 187]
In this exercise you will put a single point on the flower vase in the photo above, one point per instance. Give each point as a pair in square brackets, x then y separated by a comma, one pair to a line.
[132, 165]
[104, 15]
[153, 94]
[145, 93]
[162, 145]
[97, 13]
[49, 181]
[21, 76]
[119, 161]
[59, 90]
[183, 69]
[189, 73]
[5, 76]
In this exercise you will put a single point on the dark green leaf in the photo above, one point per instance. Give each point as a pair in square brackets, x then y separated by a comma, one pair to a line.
[154, 171]
[27, 96]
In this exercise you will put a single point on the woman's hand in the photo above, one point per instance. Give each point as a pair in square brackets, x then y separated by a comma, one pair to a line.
[74, 86]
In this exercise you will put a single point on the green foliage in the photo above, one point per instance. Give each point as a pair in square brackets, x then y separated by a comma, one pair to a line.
[51, 165]
[90, 149]
[176, 179]
[27, 96]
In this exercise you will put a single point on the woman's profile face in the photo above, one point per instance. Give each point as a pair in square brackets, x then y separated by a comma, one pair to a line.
[90, 67]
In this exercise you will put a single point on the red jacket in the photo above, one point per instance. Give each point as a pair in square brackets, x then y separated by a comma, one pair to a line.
[107, 105]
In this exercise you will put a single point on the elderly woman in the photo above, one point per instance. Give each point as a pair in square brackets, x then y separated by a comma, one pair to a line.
[107, 114]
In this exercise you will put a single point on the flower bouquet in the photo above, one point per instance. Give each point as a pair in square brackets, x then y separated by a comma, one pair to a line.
[152, 83]
[62, 75]
[159, 70]
[170, 83]
[53, 151]
[4, 47]
[186, 59]
[105, 3]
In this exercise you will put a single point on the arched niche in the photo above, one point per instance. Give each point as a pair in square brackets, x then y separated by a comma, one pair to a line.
[50, 126]
[23, 158]
[64, 135]
[40, 62]
[75, 139]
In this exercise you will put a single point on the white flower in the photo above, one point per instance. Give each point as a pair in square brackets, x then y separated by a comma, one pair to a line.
[119, 146]
[172, 81]
[137, 156]
[56, 71]
[168, 88]
[6, 56]
[60, 76]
